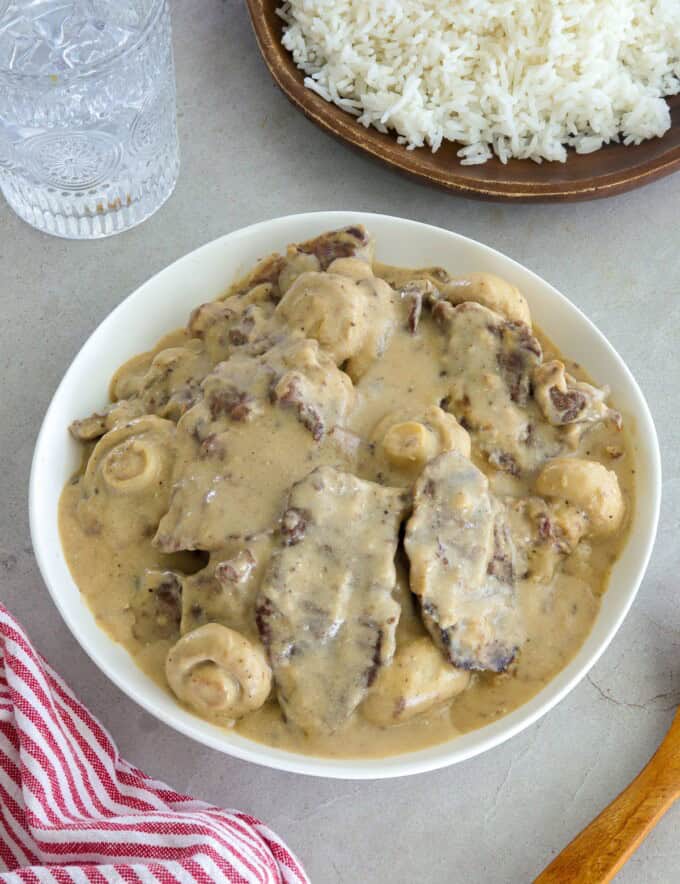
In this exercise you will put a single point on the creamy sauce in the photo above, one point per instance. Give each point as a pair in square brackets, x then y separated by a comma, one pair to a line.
[254, 469]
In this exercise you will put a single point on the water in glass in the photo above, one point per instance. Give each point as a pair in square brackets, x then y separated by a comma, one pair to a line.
[88, 141]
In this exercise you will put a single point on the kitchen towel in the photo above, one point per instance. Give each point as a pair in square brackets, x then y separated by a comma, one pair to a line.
[72, 810]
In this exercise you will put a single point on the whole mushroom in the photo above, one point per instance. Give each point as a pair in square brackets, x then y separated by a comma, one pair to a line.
[218, 672]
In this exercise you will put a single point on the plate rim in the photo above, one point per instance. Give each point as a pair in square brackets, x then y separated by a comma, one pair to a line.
[344, 127]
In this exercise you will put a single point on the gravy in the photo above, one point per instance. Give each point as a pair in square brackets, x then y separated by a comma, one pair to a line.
[254, 468]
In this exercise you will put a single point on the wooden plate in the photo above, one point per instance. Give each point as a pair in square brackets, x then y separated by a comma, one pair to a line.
[609, 171]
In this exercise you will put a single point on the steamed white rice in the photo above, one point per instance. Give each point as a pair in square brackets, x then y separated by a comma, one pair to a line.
[519, 78]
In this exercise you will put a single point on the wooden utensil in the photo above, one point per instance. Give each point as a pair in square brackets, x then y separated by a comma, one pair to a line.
[598, 853]
[611, 170]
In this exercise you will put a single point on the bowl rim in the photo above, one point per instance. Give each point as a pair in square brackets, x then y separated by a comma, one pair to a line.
[245, 749]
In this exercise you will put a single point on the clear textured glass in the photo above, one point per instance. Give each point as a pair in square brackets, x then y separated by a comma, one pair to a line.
[88, 138]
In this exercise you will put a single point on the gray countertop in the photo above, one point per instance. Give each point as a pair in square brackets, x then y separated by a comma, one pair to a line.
[247, 155]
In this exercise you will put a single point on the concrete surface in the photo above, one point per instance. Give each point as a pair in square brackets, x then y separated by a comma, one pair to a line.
[246, 156]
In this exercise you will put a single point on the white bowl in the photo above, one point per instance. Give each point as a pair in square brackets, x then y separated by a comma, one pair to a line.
[164, 302]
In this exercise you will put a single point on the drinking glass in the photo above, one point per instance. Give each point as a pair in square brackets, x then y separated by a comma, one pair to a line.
[88, 138]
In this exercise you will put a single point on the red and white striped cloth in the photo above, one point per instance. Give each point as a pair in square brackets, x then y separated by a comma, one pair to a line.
[72, 810]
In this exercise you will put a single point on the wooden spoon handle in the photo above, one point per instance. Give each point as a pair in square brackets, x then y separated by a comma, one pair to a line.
[598, 853]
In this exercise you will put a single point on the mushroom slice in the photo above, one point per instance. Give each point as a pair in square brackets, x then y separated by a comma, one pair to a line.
[589, 487]
[407, 440]
[325, 610]
[127, 379]
[417, 680]
[126, 485]
[172, 384]
[218, 672]
[564, 400]
[544, 533]
[90, 428]
[462, 565]
[491, 291]
[350, 314]
[166, 381]
[329, 308]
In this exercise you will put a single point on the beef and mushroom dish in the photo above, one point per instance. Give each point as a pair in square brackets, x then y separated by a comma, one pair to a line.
[350, 509]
